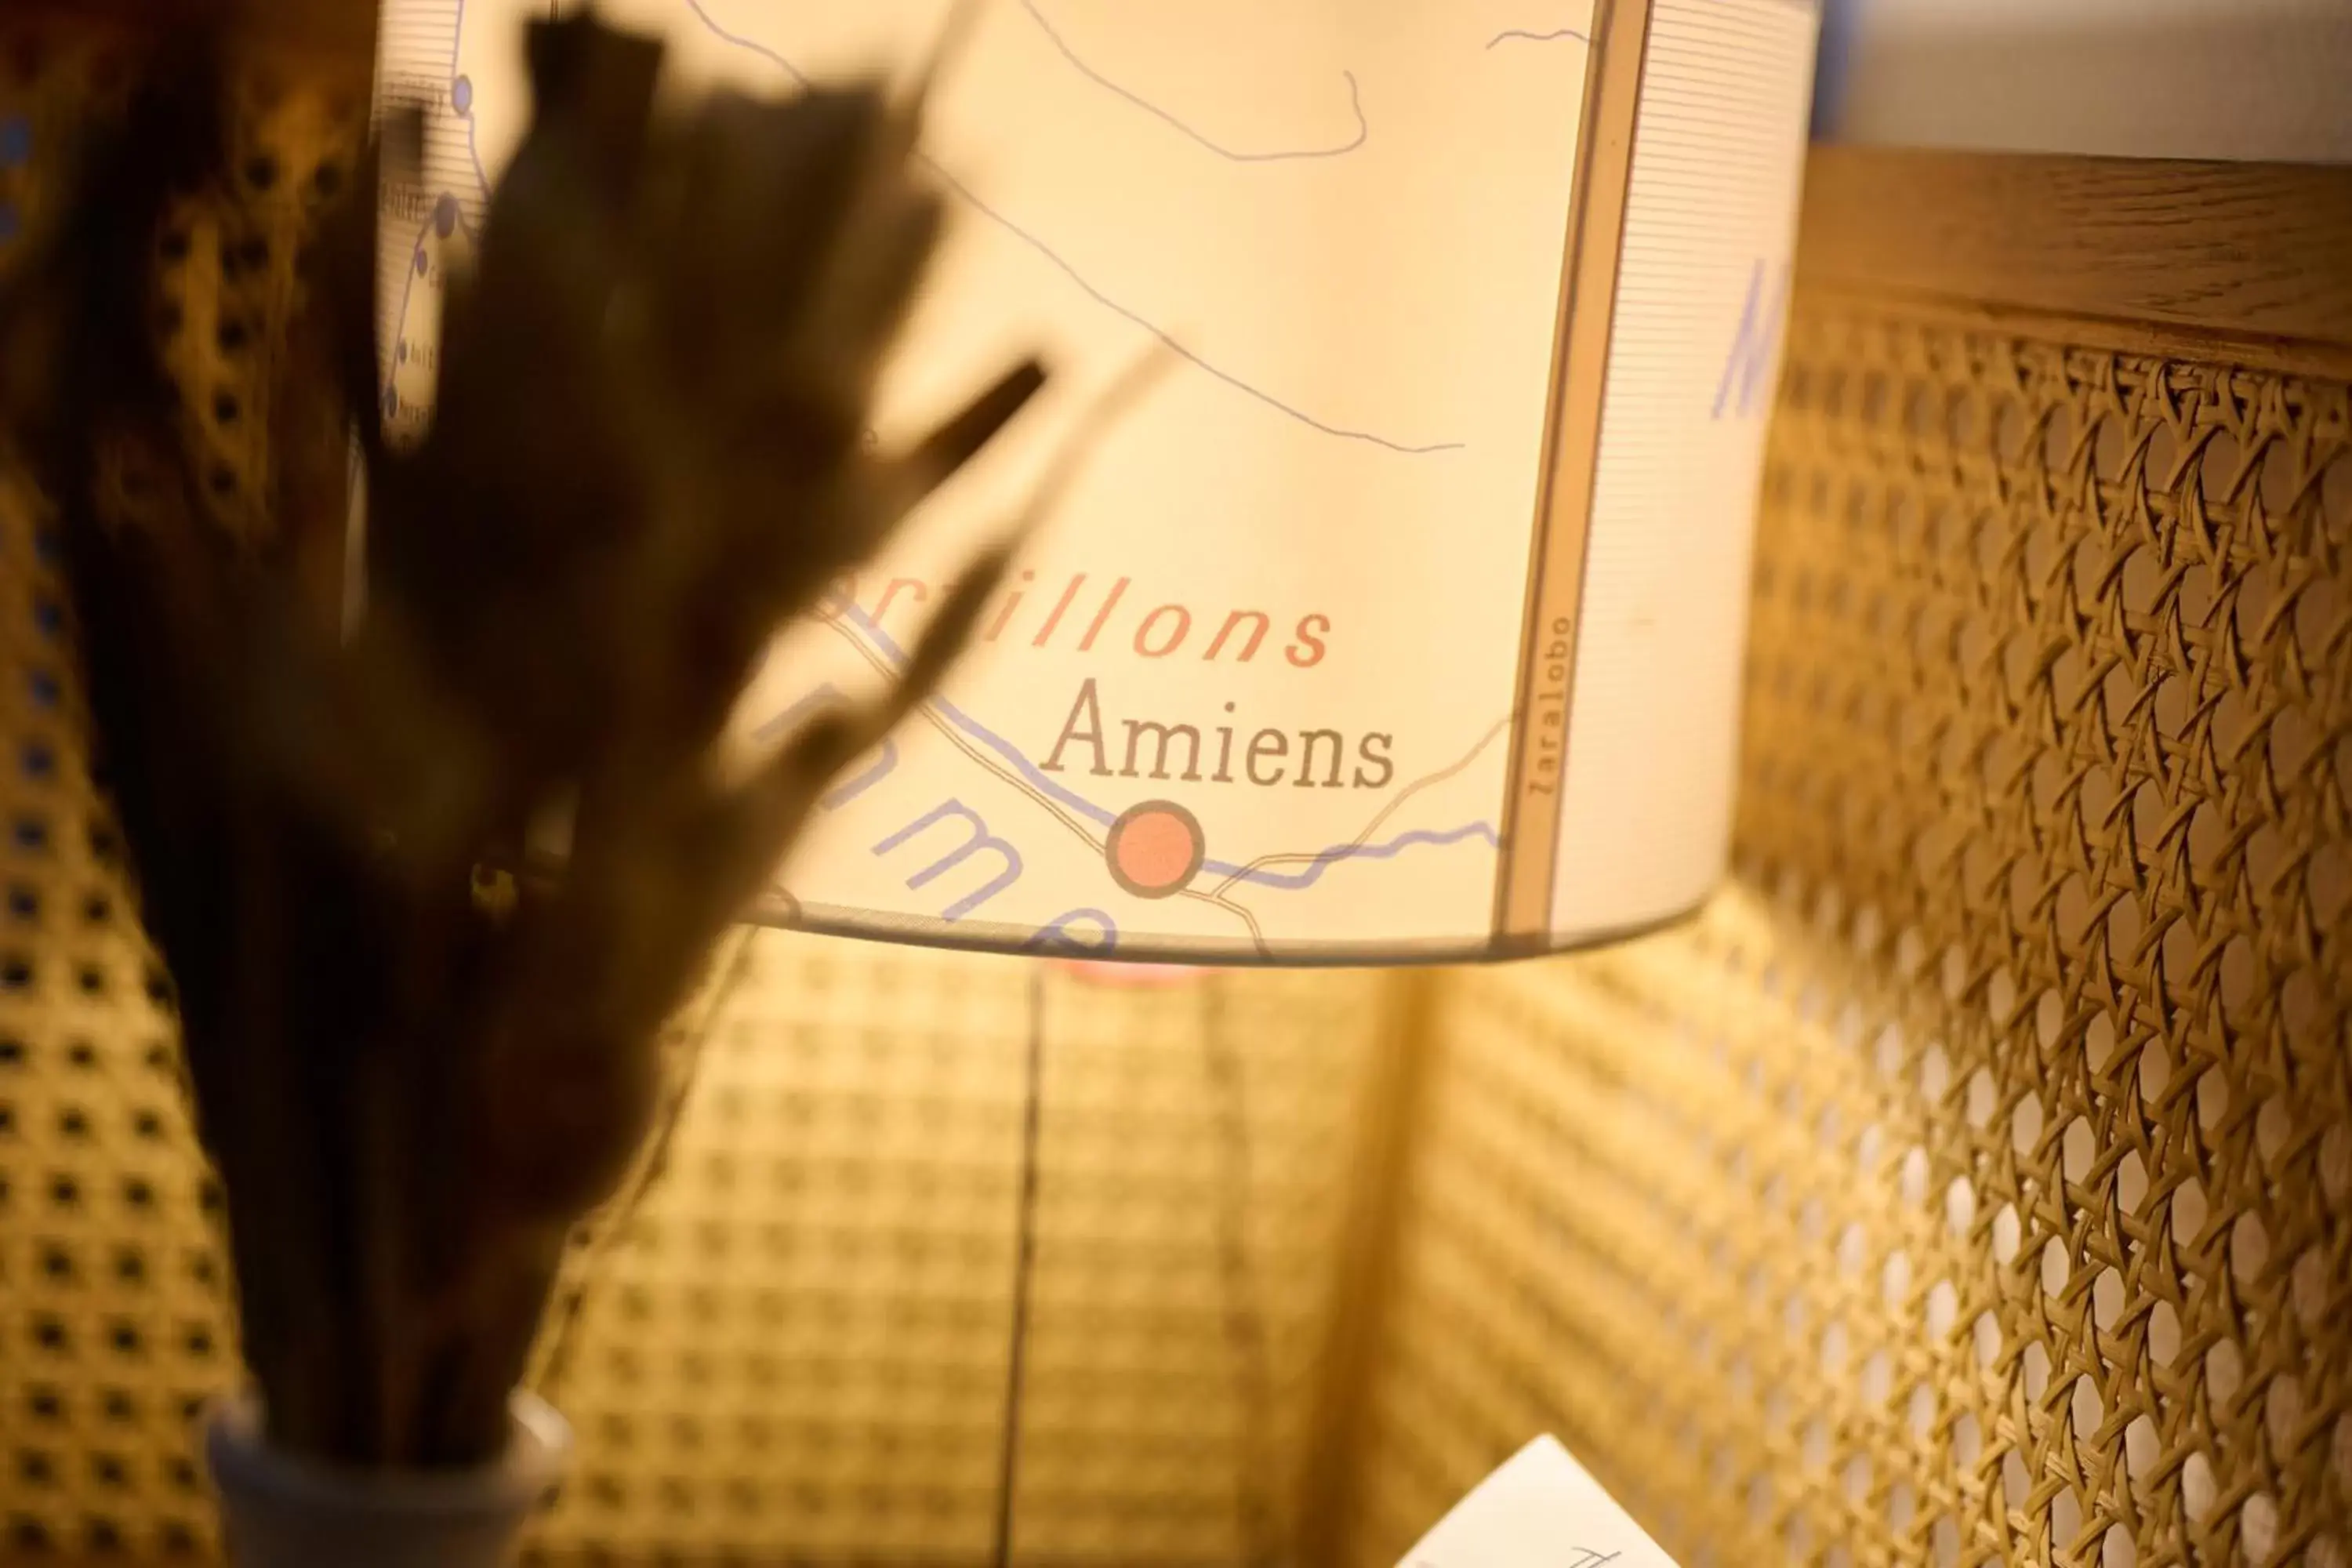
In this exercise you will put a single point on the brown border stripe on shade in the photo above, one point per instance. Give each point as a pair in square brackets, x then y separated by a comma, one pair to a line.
[1580, 344]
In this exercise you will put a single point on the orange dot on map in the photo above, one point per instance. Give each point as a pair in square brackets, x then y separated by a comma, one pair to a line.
[1155, 849]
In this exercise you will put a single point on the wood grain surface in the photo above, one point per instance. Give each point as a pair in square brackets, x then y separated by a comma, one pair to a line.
[2152, 251]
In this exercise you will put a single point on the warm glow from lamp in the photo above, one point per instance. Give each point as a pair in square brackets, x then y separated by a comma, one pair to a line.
[1403, 619]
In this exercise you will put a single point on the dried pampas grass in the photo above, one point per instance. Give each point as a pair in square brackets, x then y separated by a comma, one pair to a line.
[417, 1066]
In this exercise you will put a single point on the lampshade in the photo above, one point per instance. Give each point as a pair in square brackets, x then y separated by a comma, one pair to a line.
[1402, 616]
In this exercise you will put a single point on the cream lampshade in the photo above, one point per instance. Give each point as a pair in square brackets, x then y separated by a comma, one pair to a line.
[1402, 617]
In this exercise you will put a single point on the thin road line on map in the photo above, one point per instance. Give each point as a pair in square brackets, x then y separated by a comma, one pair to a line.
[1079, 63]
[1523, 35]
[1085, 808]
[883, 666]
[1086, 286]
[1345, 851]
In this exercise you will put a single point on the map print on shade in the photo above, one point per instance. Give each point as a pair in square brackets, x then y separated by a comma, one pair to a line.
[1248, 694]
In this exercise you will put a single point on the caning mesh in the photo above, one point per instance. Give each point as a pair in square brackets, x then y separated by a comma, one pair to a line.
[1968, 1185]
[801, 1344]
[1965, 1186]
[798, 1343]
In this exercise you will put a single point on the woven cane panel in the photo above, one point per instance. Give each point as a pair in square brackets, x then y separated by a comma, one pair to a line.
[796, 1346]
[113, 1305]
[1970, 1185]
[800, 1345]
[114, 1316]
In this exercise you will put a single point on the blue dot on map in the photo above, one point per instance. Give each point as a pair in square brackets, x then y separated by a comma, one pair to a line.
[400, 351]
[16, 141]
[461, 95]
[391, 404]
[445, 216]
[420, 261]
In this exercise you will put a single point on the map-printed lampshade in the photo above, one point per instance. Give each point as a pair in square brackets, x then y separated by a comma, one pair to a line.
[1403, 618]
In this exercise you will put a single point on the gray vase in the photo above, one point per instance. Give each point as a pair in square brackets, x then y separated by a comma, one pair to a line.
[282, 1510]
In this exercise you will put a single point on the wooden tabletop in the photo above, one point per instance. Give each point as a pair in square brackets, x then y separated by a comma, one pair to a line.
[2255, 253]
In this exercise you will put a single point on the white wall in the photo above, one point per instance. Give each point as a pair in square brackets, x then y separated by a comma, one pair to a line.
[2171, 78]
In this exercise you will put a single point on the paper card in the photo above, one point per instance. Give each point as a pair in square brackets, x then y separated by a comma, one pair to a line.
[1539, 1510]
